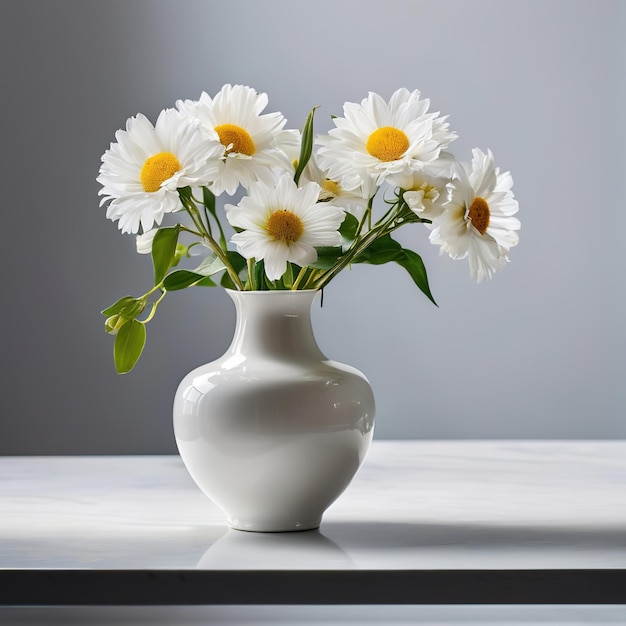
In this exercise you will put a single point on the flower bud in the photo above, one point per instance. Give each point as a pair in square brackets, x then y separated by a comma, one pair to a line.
[181, 252]
[114, 323]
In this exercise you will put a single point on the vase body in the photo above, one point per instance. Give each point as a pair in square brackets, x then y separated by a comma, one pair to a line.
[273, 431]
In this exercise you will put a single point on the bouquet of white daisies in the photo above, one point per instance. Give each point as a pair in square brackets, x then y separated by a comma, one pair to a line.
[307, 213]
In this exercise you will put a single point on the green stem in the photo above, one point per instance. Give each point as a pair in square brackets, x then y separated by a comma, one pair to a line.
[222, 236]
[191, 231]
[155, 304]
[301, 274]
[229, 268]
[148, 293]
[395, 209]
[251, 282]
[207, 217]
[367, 215]
[311, 280]
[359, 245]
[192, 209]
[208, 222]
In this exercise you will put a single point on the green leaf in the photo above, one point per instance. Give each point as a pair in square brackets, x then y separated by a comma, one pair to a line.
[181, 279]
[349, 227]
[236, 260]
[127, 307]
[227, 282]
[205, 282]
[185, 193]
[413, 264]
[239, 265]
[212, 264]
[383, 250]
[129, 343]
[306, 147]
[259, 275]
[288, 276]
[116, 308]
[164, 251]
[208, 199]
[327, 256]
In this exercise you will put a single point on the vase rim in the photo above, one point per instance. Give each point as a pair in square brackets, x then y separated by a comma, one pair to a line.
[272, 291]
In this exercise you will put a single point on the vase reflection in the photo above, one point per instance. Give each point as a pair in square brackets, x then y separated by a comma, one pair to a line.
[294, 550]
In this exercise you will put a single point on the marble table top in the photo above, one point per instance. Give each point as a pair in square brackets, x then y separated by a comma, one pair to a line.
[423, 522]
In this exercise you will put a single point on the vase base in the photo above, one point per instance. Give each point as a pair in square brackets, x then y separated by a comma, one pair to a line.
[275, 527]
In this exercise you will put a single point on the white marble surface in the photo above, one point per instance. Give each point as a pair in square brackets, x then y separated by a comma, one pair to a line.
[414, 506]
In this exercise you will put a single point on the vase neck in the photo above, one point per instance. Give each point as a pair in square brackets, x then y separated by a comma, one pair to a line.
[274, 325]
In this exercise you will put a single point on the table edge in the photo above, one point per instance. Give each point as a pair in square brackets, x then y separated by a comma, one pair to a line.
[315, 587]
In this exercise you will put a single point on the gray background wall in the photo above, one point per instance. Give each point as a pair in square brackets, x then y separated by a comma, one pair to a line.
[536, 353]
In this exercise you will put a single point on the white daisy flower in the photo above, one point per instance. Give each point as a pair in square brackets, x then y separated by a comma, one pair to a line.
[289, 142]
[425, 193]
[282, 223]
[478, 221]
[250, 141]
[353, 201]
[142, 171]
[381, 139]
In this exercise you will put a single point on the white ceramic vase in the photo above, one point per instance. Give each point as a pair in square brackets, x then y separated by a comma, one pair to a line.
[273, 431]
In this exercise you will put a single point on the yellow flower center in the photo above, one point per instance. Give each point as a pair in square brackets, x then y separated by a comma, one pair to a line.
[157, 169]
[237, 138]
[284, 225]
[387, 143]
[331, 186]
[479, 215]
